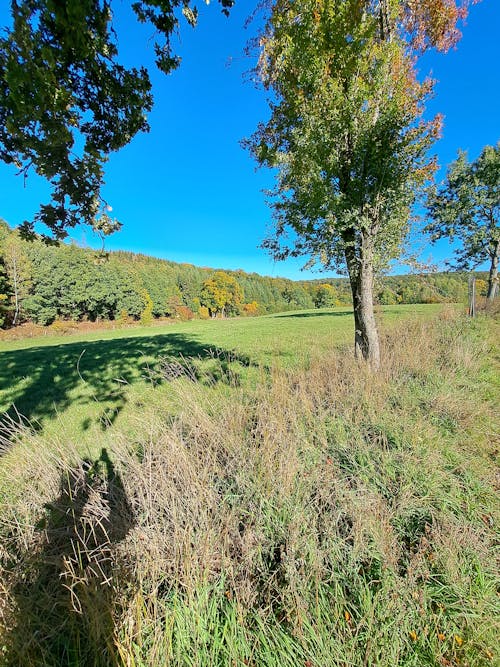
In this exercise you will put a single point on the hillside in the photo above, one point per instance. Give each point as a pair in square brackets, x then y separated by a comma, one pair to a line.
[42, 283]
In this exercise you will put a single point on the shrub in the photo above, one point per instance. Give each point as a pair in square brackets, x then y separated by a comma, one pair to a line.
[62, 326]
[124, 317]
[251, 309]
[185, 313]
[173, 304]
[203, 313]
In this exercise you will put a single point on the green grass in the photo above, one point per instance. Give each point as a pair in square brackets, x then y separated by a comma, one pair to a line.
[79, 382]
[282, 510]
[294, 326]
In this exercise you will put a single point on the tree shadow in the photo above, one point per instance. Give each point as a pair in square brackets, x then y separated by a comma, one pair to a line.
[66, 598]
[317, 314]
[40, 381]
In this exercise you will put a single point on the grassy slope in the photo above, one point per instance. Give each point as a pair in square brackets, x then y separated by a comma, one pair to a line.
[320, 517]
[73, 384]
[243, 329]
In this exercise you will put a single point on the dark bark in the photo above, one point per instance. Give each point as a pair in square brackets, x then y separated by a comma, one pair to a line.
[493, 276]
[360, 266]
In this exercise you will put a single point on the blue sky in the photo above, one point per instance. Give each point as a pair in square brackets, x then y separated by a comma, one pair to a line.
[188, 192]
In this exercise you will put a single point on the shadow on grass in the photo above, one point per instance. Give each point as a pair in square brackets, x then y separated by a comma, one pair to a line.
[66, 607]
[39, 382]
[317, 314]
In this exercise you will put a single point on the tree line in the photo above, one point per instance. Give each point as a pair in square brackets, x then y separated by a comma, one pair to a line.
[347, 136]
[43, 283]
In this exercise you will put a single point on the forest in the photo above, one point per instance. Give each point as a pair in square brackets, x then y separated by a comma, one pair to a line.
[43, 283]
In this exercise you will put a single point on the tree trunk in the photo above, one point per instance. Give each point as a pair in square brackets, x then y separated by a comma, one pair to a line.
[360, 267]
[16, 290]
[493, 277]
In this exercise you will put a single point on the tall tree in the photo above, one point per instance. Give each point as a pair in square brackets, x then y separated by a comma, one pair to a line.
[346, 132]
[221, 293]
[325, 296]
[466, 206]
[66, 102]
[18, 271]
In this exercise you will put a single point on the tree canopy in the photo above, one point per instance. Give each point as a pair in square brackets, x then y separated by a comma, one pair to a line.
[66, 102]
[466, 206]
[222, 294]
[325, 296]
[346, 132]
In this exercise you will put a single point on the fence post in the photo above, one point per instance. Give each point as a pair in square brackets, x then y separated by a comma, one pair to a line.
[472, 296]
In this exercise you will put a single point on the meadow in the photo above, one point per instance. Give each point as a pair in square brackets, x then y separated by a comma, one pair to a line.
[75, 383]
[242, 492]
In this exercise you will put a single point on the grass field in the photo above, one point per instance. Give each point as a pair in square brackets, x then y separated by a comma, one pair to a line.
[271, 504]
[76, 383]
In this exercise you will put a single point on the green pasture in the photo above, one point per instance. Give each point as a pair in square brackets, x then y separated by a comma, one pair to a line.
[246, 515]
[74, 384]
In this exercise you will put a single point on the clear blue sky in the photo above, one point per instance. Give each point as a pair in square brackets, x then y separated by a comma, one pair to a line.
[188, 192]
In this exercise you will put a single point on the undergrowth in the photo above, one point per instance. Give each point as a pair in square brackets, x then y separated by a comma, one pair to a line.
[326, 517]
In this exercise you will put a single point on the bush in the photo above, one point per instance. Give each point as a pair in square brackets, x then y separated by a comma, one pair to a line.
[203, 313]
[251, 309]
[124, 317]
[185, 313]
[63, 326]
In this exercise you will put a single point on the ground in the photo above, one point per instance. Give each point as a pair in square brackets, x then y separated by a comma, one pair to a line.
[243, 493]
[71, 383]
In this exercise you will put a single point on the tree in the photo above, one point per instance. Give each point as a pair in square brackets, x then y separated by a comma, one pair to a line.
[296, 296]
[66, 102]
[147, 312]
[325, 296]
[4, 281]
[466, 206]
[221, 294]
[18, 271]
[346, 132]
[387, 297]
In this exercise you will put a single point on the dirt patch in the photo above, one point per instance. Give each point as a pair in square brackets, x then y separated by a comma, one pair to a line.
[70, 327]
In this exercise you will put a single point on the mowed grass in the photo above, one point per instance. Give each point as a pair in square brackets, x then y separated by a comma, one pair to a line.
[75, 384]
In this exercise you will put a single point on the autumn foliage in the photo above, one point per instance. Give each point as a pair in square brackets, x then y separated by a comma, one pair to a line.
[221, 294]
[347, 134]
[434, 23]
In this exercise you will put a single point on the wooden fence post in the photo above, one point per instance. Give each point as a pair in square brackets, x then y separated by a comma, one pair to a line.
[472, 296]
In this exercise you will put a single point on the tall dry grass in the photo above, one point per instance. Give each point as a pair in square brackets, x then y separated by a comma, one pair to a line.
[329, 517]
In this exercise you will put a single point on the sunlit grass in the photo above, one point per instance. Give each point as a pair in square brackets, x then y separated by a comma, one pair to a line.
[76, 383]
[290, 514]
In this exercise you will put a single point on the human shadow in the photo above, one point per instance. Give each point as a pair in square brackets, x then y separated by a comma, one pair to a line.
[66, 600]
[38, 382]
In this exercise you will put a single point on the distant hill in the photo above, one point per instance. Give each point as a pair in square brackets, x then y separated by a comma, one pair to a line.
[42, 283]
